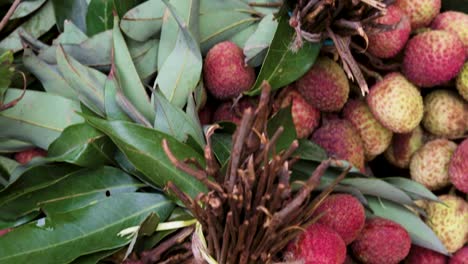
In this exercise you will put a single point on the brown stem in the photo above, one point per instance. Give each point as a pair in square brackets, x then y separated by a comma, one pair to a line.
[15, 101]
[9, 14]
[156, 254]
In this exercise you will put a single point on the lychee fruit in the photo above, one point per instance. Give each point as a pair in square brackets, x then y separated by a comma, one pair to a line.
[340, 139]
[421, 12]
[445, 114]
[325, 86]
[225, 73]
[396, 103]
[230, 112]
[433, 58]
[205, 114]
[342, 213]
[26, 156]
[455, 22]
[389, 43]
[420, 255]
[449, 221]
[376, 138]
[462, 82]
[319, 244]
[306, 118]
[460, 257]
[458, 167]
[429, 165]
[5, 231]
[381, 241]
[403, 146]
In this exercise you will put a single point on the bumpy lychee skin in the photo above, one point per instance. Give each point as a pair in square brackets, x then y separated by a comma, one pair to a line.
[433, 58]
[448, 221]
[325, 85]
[26, 156]
[462, 82]
[232, 113]
[460, 257]
[396, 103]
[306, 118]
[458, 167]
[421, 12]
[340, 139]
[455, 22]
[381, 242]
[403, 146]
[445, 114]
[319, 244]
[420, 255]
[389, 43]
[224, 71]
[429, 165]
[376, 138]
[344, 214]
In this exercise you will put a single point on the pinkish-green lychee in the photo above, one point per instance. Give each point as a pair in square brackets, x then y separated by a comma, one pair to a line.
[462, 82]
[25, 156]
[403, 146]
[421, 12]
[325, 86]
[389, 43]
[445, 114]
[340, 139]
[396, 103]
[458, 167]
[429, 165]
[224, 71]
[376, 138]
[433, 58]
[455, 22]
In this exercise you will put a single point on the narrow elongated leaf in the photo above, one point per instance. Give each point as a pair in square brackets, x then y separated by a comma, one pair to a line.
[99, 17]
[38, 118]
[414, 189]
[173, 121]
[25, 8]
[256, 47]
[283, 119]
[4, 224]
[7, 166]
[71, 34]
[77, 190]
[113, 110]
[82, 145]
[64, 237]
[264, 9]
[143, 21]
[420, 233]
[145, 57]
[13, 145]
[94, 258]
[241, 37]
[41, 22]
[222, 145]
[87, 82]
[142, 146]
[207, 6]
[6, 71]
[127, 75]
[282, 65]
[74, 11]
[308, 150]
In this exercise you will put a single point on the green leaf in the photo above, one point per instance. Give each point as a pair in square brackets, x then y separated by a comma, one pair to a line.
[71, 34]
[207, 6]
[74, 10]
[180, 73]
[455, 5]
[282, 119]
[127, 75]
[87, 82]
[173, 121]
[142, 147]
[26, 8]
[282, 66]
[82, 145]
[222, 145]
[256, 47]
[77, 190]
[414, 189]
[308, 150]
[94, 258]
[6, 71]
[4, 224]
[38, 118]
[241, 37]
[41, 22]
[143, 21]
[264, 10]
[64, 237]
[7, 166]
[113, 110]
[13, 145]
[420, 233]
[99, 17]
[145, 57]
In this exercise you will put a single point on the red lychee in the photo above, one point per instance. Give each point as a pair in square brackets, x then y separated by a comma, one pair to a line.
[460, 257]
[420, 255]
[26, 156]
[421, 12]
[458, 167]
[227, 111]
[319, 244]
[455, 22]
[224, 71]
[387, 44]
[381, 241]
[433, 58]
[325, 86]
[342, 213]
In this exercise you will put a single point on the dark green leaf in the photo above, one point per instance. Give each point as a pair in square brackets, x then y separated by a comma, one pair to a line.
[282, 119]
[282, 66]
[222, 145]
[64, 237]
[6, 71]
[308, 150]
[13, 145]
[145, 57]
[142, 146]
[94, 258]
[143, 21]
[7, 166]
[113, 110]
[414, 189]
[256, 47]
[38, 118]
[73, 10]
[25, 8]
[4, 224]
[420, 233]
[99, 17]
